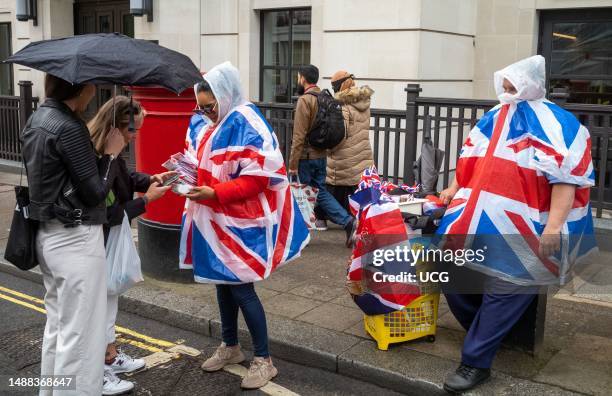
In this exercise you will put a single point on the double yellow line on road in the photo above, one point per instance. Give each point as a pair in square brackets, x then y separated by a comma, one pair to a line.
[145, 342]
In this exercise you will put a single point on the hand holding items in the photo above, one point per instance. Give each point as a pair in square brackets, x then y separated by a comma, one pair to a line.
[184, 168]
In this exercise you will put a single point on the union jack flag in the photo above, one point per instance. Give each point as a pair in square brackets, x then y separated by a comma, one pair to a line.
[244, 241]
[506, 170]
[197, 127]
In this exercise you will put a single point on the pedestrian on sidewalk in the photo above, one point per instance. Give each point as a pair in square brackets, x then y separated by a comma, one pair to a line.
[68, 186]
[245, 223]
[307, 162]
[347, 161]
[522, 187]
[123, 116]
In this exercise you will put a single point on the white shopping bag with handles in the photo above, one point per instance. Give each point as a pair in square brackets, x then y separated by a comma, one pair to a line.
[122, 260]
[306, 198]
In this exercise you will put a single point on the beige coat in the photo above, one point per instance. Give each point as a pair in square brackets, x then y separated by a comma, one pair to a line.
[305, 114]
[347, 161]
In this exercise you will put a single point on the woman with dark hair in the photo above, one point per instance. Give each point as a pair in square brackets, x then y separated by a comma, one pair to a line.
[68, 186]
[127, 118]
[245, 223]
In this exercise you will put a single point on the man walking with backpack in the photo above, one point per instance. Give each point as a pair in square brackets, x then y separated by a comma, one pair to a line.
[318, 125]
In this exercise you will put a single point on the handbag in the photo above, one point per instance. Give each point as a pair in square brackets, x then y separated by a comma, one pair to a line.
[21, 245]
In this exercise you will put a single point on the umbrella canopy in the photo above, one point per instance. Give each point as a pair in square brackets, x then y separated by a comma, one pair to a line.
[110, 58]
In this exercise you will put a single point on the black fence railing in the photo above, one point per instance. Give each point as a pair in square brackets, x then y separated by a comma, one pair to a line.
[13, 119]
[397, 135]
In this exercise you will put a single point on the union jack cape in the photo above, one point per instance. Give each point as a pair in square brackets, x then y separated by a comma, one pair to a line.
[244, 241]
[505, 172]
[197, 127]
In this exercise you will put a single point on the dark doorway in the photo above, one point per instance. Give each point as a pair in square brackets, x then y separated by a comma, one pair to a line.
[577, 45]
[95, 16]
[108, 16]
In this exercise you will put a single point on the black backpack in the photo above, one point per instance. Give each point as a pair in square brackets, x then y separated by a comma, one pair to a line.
[328, 128]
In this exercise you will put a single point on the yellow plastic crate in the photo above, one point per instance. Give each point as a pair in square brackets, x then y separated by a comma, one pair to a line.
[417, 320]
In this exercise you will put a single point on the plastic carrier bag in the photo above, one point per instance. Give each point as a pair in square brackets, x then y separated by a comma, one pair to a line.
[306, 198]
[122, 260]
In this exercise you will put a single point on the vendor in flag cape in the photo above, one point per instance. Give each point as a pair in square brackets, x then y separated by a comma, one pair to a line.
[521, 189]
[244, 221]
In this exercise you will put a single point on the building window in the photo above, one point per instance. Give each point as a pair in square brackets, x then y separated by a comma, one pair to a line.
[6, 70]
[285, 46]
[577, 45]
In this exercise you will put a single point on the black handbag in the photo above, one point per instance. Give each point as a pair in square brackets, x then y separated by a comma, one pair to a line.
[21, 245]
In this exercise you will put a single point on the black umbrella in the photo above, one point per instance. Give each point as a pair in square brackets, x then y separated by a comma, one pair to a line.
[110, 58]
[427, 167]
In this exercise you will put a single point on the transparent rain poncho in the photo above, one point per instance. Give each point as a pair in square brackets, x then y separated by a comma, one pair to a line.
[505, 190]
[224, 80]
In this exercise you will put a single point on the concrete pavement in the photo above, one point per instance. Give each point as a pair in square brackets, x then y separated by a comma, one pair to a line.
[312, 321]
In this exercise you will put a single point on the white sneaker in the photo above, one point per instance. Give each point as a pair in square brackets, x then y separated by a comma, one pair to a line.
[320, 225]
[114, 385]
[125, 364]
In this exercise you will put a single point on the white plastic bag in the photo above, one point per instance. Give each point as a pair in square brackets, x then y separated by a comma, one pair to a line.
[306, 198]
[122, 260]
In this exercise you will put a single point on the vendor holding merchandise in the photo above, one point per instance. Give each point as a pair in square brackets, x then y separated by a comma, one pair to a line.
[522, 184]
[244, 221]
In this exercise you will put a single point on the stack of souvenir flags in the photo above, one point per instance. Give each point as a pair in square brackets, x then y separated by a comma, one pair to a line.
[380, 226]
[186, 166]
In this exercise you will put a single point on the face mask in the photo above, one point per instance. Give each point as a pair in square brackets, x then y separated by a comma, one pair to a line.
[301, 90]
[507, 98]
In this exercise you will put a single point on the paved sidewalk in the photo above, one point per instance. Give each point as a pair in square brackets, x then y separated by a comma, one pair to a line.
[313, 321]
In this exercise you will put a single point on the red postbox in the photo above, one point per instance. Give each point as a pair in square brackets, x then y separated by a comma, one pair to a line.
[162, 134]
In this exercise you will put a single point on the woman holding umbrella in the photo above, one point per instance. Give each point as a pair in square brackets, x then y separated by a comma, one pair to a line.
[68, 186]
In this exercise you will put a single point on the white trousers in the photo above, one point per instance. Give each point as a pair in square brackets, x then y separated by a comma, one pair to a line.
[73, 263]
[112, 305]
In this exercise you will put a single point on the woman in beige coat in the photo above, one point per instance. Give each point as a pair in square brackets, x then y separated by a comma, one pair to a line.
[347, 161]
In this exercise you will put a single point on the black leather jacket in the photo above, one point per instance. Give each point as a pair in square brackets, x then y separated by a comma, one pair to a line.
[65, 179]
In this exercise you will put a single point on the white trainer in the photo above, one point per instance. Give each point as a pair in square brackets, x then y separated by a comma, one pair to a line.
[114, 385]
[125, 363]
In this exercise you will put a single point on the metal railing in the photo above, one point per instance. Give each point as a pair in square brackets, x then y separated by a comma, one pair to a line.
[13, 119]
[397, 135]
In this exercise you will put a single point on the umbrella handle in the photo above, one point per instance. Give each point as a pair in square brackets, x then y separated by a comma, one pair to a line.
[114, 109]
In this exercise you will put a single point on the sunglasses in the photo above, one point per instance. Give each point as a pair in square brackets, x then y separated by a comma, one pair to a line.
[205, 110]
[336, 85]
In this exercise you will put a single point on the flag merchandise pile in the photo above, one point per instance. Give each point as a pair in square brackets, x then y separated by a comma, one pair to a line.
[380, 226]
[185, 165]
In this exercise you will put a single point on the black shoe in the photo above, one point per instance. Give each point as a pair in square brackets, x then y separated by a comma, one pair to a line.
[465, 378]
[349, 228]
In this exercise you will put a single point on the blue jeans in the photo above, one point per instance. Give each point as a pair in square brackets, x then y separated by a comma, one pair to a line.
[313, 173]
[232, 297]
